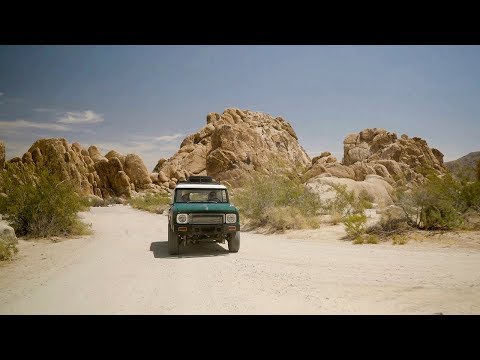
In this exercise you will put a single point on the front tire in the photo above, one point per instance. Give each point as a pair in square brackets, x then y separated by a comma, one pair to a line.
[172, 242]
[234, 242]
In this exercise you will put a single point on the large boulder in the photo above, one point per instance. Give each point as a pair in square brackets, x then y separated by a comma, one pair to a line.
[137, 172]
[374, 186]
[113, 153]
[113, 181]
[233, 145]
[7, 234]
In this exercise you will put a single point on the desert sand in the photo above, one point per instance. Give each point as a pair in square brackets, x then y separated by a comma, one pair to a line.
[124, 268]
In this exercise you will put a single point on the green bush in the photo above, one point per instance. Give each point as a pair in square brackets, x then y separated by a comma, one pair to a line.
[154, 203]
[269, 199]
[436, 204]
[41, 205]
[399, 239]
[470, 197]
[7, 250]
[355, 225]
[346, 202]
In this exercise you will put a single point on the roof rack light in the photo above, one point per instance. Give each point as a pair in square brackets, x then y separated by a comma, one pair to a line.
[200, 179]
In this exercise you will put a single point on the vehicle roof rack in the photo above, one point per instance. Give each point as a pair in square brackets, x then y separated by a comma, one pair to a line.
[200, 179]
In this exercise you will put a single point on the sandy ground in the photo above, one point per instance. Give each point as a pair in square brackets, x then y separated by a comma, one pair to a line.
[125, 269]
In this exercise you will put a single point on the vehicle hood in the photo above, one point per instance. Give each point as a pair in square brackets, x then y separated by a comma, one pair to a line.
[204, 207]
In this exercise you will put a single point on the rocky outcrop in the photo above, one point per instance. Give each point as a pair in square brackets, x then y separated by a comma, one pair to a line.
[113, 175]
[233, 145]
[373, 186]
[379, 152]
[405, 159]
[137, 172]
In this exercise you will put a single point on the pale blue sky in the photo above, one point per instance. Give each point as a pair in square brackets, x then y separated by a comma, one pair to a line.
[145, 99]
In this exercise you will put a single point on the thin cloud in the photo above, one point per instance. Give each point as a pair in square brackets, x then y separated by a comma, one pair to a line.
[163, 138]
[44, 110]
[23, 124]
[84, 117]
[1, 93]
[148, 151]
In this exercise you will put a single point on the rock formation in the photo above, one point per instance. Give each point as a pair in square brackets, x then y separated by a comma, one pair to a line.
[233, 145]
[380, 191]
[379, 152]
[95, 174]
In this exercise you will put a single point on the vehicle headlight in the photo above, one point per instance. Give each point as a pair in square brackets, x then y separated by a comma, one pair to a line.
[231, 218]
[182, 218]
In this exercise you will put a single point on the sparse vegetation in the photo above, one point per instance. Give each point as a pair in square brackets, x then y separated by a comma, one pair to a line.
[154, 203]
[348, 208]
[399, 239]
[366, 239]
[440, 203]
[371, 239]
[355, 225]
[390, 224]
[278, 199]
[7, 250]
[346, 203]
[286, 218]
[41, 205]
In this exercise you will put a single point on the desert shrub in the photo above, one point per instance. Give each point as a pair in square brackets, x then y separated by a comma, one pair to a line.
[287, 218]
[41, 205]
[399, 239]
[355, 225]
[154, 203]
[336, 217]
[348, 208]
[365, 199]
[358, 240]
[269, 199]
[470, 197]
[366, 239]
[436, 204]
[346, 202]
[371, 239]
[7, 250]
[389, 225]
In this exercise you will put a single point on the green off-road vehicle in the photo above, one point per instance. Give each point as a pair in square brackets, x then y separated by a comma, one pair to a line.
[200, 211]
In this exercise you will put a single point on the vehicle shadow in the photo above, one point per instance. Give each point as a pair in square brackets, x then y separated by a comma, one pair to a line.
[160, 250]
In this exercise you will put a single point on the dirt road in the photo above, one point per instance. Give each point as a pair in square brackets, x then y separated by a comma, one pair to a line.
[124, 268]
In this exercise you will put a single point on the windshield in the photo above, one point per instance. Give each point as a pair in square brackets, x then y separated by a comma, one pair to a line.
[201, 195]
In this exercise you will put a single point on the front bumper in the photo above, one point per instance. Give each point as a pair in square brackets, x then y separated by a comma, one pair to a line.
[198, 229]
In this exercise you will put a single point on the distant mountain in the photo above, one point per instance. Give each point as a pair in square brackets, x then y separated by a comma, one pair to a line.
[464, 166]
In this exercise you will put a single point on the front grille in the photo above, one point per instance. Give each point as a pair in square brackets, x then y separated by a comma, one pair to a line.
[206, 219]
